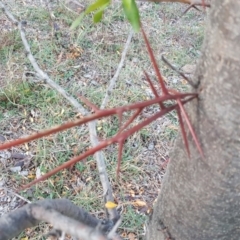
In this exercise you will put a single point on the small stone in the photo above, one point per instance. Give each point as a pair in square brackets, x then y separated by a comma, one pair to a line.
[87, 75]
[15, 169]
[135, 60]
[175, 80]
[38, 173]
[5, 154]
[95, 83]
[2, 182]
[2, 138]
[18, 155]
[19, 164]
[151, 146]
[128, 82]
[24, 173]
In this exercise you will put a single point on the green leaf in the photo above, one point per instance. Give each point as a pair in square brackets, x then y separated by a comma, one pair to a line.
[96, 5]
[77, 21]
[100, 5]
[131, 11]
[98, 16]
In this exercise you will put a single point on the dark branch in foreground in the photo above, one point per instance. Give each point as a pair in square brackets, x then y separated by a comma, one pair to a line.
[62, 214]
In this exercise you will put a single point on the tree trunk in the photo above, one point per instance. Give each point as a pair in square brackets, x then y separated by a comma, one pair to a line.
[200, 198]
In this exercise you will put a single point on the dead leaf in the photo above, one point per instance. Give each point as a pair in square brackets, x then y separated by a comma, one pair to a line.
[26, 146]
[124, 235]
[59, 58]
[74, 52]
[132, 236]
[110, 205]
[132, 193]
[24, 238]
[88, 179]
[31, 176]
[139, 203]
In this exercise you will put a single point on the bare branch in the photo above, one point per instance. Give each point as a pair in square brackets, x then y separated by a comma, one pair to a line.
[66, 224]
[120, 65]
[91, 125]
[179, 72]
[112, 233]
[99, 156]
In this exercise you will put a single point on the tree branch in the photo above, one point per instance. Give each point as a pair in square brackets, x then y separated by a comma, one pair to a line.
[120, 65]
[61, 213]
[91, 125]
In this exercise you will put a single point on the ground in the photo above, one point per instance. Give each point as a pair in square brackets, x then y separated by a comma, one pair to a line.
[83, 62]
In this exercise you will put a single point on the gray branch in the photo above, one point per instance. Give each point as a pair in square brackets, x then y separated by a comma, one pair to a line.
[92, 125]
[115, 77]
[62, 214]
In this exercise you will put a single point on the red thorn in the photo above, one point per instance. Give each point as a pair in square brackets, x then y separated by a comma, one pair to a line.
[131, 119]
[195, 139]
[120, 150]
[154, 62]
[153, 89]
[184, 135]
[88, 103]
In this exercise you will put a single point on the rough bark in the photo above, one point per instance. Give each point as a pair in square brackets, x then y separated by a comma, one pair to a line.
[200, 199]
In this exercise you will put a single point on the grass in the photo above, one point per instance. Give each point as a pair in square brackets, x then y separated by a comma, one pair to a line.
[26, 106]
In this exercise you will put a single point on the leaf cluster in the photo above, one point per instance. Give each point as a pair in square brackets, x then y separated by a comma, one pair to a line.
[99, 6]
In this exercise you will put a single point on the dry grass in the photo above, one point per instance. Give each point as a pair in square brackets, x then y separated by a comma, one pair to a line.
[83, 62]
